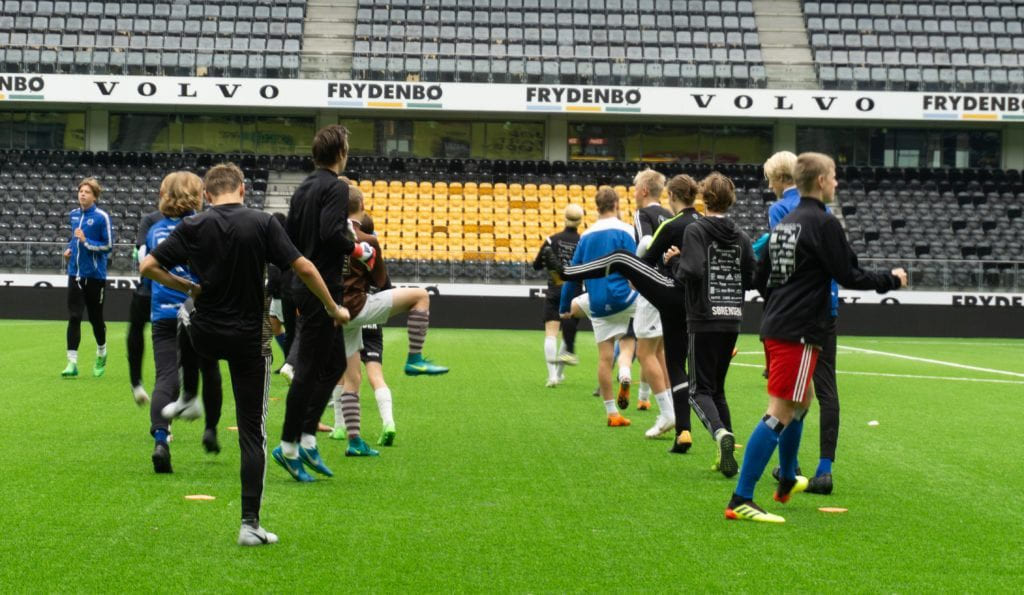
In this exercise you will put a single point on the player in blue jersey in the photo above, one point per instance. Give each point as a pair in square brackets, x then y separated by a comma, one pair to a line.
[609, 301]
[180, 196]
[86, 254]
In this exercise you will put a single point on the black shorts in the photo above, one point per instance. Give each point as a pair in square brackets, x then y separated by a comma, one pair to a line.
[630, 333]
[551, 305]
[373, 344]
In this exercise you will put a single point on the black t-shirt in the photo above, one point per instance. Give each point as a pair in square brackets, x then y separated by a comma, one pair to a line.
[228, 248]
[318, 224]
[563, 245]
[648, 219]
[145, 285]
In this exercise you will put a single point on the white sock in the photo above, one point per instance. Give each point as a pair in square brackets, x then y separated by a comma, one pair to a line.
[719, 433]
[383, 396]
[625, 374]
[560, 371]
[308, 441]
[644, 392]
[550, 354]
[101, 350]
[609, 407]
[664, 400]
[73, 356]
[339, 417]
[290, 450]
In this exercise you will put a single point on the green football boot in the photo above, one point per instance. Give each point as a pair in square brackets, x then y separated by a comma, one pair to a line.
[100, 367]
[71, 371]
[417, 365]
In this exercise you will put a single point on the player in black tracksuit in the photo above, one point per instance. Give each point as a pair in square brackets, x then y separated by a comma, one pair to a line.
[318, 225]
[138, 314]
[554, 255]
[717, 267]
[664, 291]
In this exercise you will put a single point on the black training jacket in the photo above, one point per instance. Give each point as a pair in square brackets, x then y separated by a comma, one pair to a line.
[716, 267]
[318, 224]
[555, 254]
[806, 250]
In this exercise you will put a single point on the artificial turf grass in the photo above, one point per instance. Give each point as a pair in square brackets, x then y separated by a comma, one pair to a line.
[497, 483]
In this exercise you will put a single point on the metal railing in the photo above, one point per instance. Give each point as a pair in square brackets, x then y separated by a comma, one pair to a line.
[46, 258]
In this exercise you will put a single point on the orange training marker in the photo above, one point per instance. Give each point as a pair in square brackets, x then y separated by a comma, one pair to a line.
[199, 497]
[832, 509]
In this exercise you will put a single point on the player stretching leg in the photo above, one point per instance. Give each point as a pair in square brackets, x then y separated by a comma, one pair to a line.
[665, 293]
[609, 301]
[87, 254]
[376, 308]
[173, 355]
[807, 249]
[554, 255]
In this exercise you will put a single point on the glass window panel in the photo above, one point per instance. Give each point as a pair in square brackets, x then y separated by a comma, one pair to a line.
[905, 147]
[362, 136]
[509, 140]
[669, 143]
[42, 130]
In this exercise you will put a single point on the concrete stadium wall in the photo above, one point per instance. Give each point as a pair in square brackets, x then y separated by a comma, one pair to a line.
[901, 320]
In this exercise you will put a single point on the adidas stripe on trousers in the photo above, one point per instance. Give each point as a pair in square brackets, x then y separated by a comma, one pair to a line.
[668, 298]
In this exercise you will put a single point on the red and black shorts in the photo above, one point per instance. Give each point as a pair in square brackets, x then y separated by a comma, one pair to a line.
[790, 369]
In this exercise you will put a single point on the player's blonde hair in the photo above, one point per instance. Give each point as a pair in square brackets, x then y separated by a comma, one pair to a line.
[779, 168]
[180, 194]
[573, 215]
[653, 181]
[809, 167]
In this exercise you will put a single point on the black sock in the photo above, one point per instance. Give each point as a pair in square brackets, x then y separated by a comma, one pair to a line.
[737, 500]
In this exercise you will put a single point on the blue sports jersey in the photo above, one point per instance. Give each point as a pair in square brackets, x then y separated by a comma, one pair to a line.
[166, 301]
[89, 258]
[611, 294]
[790, 199]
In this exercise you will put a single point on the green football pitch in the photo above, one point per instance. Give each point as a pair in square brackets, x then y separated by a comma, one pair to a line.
[496, 483]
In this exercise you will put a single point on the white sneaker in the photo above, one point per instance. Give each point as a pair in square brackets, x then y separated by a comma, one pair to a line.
[190, 409]
[551, 383]
[288, 372]
[249, 535]
[661, 425]
[569, 359]
[139, 393]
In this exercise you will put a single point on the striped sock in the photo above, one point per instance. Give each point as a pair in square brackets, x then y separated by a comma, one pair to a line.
[418, 322]
[350, 409]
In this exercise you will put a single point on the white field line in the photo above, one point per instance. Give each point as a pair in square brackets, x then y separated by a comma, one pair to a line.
[916, 376]
[931, 361]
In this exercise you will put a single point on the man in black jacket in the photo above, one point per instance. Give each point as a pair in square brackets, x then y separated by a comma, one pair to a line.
[318, 225]
[807, 249]
[717, 266]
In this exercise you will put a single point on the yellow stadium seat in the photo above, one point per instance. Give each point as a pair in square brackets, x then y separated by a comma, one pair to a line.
[486, 189]
[500, 189]
[515, 192]
[561, 190]
[621, 191]
[412, 188]
[470, 189]
[426, 188]
[455, 189]
[396, 186]
[589, 192]
[544, 190]
[440, 189]
[530, 192]
[366, 186]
